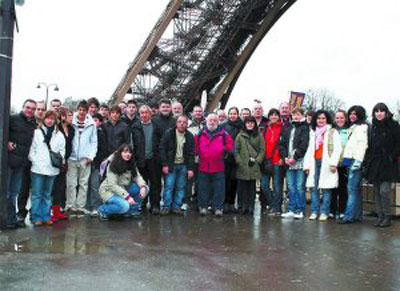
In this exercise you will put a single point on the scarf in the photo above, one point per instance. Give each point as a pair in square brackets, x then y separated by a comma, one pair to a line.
[49, 132]
[319, 136]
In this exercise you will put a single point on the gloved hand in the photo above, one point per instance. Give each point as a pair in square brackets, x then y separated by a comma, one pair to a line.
[251, 162]
[356, 165]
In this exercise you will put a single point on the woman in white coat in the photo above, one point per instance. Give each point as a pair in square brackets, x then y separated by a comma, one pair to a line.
[320, 163]
[42, 171]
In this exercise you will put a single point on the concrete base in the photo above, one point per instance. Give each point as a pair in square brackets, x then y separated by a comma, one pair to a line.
[189, 253]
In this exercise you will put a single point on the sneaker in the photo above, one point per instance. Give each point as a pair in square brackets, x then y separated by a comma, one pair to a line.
[94, 213]
[185, 207]
[38, 223]
[288, 214]
[298, 215]
[313, 216]
[178, 211]
[341, 215]
[48, 222]
[331, 215]
[323, 217]
[136, 215]
[203, 211]
[71, 212]
[164, 211]
[219, 213]
[102, 215]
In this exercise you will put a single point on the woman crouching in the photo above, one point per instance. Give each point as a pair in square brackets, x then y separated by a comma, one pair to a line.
[123, 188]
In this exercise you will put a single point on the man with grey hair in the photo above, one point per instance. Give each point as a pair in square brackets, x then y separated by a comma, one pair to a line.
[150, 133]
[284, 110]
[212, 143]
[177, 109]
[221, 116]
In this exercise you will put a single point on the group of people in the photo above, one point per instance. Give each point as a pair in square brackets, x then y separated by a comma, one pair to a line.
[115, 161]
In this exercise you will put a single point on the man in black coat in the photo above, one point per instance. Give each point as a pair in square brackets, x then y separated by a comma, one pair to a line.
[164, 119]
[116, 130]
[177, 159]
[22, 127]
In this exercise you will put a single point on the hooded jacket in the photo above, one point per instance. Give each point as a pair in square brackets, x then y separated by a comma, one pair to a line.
[84, 145]
[211, 148]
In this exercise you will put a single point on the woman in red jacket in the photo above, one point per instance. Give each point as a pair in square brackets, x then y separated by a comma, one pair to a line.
[273, 164]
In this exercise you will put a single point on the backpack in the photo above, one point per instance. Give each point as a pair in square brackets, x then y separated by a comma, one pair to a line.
[103, 169]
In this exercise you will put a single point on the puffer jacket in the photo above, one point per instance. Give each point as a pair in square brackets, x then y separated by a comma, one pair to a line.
[115, 184]
[211, 148]
[21, 134]
[39, 153]
[249, 146]
[84, 145]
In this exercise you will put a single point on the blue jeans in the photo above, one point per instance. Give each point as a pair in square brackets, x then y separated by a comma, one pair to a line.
[212, 183]
[274, 197]
[296, 180]
[315, 198]
[42, 186]
[354, 202]
[93, 198]
[176, 177]
[14, 182]
[118, 205]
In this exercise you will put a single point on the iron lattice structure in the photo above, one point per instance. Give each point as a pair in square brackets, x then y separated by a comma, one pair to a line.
[197, 46]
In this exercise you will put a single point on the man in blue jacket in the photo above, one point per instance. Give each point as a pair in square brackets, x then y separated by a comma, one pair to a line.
[84, 149]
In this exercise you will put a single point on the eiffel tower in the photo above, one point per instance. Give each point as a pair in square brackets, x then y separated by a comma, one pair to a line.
[199, 46]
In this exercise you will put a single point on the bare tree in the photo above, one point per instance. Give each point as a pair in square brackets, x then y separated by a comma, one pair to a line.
[71, 103]
[396, 111]
[322, 98]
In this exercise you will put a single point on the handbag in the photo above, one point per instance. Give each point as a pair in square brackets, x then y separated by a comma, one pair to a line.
[55, 158]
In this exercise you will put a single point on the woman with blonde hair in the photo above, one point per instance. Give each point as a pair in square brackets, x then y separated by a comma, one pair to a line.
[47, 154]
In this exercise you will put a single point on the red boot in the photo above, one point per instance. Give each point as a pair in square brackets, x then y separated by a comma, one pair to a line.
[57, 212]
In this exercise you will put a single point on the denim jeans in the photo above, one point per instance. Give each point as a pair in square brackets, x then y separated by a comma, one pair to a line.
[315, 198]
[274, 197]
[296, 180]
[42, 186]
[175, 178]
[212, 183]
[93, 199]
[118, 205]
[354, 202]
[14, 182]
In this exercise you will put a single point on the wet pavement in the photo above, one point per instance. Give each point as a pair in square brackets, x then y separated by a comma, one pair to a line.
[192, 252]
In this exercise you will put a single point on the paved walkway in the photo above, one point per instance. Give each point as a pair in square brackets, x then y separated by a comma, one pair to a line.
[191, 253]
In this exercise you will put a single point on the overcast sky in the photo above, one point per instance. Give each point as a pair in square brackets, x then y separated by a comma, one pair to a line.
[350, 47]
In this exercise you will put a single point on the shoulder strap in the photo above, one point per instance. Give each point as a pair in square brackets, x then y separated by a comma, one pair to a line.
[330, 141]
[44, 139]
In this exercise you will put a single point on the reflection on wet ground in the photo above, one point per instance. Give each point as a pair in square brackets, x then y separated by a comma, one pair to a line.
[192, 252]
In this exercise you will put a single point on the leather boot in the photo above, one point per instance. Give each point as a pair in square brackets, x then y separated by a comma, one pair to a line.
[387, 221]
[379, 220]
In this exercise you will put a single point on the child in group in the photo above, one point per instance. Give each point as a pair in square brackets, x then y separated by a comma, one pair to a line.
[123, 188]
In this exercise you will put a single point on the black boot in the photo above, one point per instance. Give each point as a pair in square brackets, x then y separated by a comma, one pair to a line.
[379, 220]
[387, 221]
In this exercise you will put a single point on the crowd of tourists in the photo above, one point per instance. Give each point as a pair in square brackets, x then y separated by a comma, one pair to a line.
[127, 160]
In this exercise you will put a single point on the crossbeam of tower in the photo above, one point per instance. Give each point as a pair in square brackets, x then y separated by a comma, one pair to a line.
[197, 46]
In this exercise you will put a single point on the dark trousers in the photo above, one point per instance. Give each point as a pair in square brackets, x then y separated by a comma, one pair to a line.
[230, 185]
[383, 203]
[59, 188]
[191, 196]
[339, 195]
[152, 175]
[24, 194]
[246, 194]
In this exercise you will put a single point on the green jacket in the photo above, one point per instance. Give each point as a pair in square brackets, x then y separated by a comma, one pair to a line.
[245, 147]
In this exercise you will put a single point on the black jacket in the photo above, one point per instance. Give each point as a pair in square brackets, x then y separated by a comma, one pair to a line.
[102, 152]
[68, 139]
[117, 135]
[300, 140]
[156, 139]
[164, 122]
[21, 134]
[233, 128]
[168, 150]
[380, 160]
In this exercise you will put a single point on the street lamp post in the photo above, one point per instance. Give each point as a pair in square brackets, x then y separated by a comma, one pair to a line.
[39, 85]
